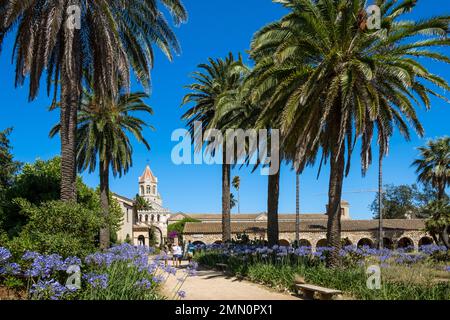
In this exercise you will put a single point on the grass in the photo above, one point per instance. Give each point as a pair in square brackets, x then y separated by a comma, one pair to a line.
[420, 281]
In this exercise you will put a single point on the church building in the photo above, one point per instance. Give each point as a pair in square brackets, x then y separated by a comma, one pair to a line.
[149, 226]
[139, 225]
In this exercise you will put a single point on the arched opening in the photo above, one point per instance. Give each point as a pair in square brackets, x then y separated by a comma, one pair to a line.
[365, 242]
[388, 243]
[218, 242]
[198, 243]
[304, 243]
[142, 190]
[283, 243]
[141, 240]
[153, 218]
[148, 189]
[146, 218]
[158, 218]
[425, 241]
[154, 190]
[157, 236]
[322, 243]
[406, 244]
[140, 218]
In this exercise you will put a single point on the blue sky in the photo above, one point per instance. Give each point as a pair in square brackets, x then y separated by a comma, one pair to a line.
[214, 29]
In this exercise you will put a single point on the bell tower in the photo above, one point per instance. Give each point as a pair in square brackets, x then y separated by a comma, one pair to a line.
[148, 187]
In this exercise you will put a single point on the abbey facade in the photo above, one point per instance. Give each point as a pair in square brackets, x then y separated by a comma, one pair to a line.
[139, 225]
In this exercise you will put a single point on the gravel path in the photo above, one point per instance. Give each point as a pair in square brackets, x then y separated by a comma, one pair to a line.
[214, 285]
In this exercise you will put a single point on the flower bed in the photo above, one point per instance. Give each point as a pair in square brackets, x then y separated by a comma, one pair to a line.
[404, 274]
[122, 273]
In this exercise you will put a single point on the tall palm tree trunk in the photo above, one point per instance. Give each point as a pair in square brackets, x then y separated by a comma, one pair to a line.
[70, 100]
[105, 235]
[273, 194]
[297, 209]
[239, 200]
[226, 182]
[441, 191]
[68, 145]
[334, 205]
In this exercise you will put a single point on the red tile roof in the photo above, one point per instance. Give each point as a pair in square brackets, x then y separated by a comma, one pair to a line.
[147, 175]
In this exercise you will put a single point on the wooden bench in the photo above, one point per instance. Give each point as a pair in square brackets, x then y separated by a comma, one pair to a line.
[222, 267]
[309, 291]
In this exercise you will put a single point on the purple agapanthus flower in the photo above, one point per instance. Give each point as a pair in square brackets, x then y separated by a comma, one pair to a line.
[30, 255]
[48, 290]
[10, 269]
[97, 280]
[143, 284]
[44, 265]
[5, 255]
[158, 279]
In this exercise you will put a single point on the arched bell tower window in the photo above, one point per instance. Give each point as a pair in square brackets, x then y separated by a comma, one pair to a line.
[146, 218]
[154, 190]
[148, 189]
[142, 190]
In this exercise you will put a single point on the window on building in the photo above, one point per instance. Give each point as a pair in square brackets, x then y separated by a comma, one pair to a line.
[142, 190]
[153, 218]
[148, 189]
[140, 218]
[159, 218]
[146, 218]
[127, 215]
[154, 190]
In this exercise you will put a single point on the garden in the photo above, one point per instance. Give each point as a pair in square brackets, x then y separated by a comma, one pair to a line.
[405, 275]
[124, 272]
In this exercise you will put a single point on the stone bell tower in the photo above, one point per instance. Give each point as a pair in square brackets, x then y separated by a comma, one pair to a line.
[148, 187]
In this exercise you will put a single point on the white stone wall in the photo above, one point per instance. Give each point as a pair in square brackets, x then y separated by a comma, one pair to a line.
[127, 221]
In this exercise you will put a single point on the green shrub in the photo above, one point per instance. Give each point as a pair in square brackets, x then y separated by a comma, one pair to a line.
[178, 227]
[57, 227]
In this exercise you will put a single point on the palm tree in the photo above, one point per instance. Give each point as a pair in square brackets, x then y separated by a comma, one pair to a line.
[433, 166]
[233, 201]
[215, 80]
[102, 134]
[438, 225]
[332, 81]
[112, 38]
[237, 185]
[141, 204]
[234, 109]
